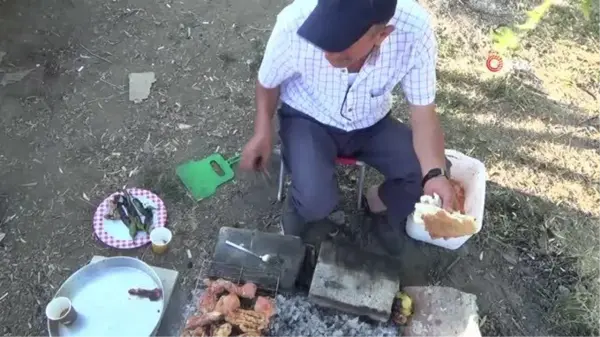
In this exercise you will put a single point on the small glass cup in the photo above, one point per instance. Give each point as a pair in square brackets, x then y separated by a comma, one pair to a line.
[160, 238]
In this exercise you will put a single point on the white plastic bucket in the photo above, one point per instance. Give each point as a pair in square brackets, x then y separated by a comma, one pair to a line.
[471, 173]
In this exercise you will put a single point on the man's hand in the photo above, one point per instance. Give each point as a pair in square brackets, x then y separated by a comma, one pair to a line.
[442, 187]
[428, 139]
[257, 152]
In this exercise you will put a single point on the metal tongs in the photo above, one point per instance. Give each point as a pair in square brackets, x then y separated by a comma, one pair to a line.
[266, 176]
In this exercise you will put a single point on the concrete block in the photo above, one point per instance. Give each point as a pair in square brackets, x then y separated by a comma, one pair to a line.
[354, 281]
[442, 311]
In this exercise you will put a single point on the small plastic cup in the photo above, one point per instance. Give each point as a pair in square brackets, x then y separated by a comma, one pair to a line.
[61, 310]
[160, 238]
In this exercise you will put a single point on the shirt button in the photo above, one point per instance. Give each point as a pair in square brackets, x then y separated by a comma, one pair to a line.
[343, 70]
[349, 109]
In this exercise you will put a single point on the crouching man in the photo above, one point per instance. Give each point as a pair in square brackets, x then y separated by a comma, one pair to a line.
[333, 65]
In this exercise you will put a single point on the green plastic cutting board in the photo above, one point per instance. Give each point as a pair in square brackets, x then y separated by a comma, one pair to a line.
[203, 177]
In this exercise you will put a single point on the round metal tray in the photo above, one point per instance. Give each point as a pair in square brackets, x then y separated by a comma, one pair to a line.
[99, 294]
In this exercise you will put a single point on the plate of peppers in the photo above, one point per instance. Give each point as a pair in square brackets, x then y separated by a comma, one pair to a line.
[125, 219]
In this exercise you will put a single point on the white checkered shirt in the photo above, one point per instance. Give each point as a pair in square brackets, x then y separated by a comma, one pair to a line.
[310, 84]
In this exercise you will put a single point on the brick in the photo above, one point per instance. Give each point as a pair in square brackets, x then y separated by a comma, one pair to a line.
[442, 311]
[354, 281]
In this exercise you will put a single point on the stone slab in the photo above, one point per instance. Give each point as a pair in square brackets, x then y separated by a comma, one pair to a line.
[354, 281]
[228, 261]
[139, 85]
[169, 279]
[442, 311]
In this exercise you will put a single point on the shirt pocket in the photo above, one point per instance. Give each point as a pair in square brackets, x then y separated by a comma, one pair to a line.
[377, 92]
[381, 82]
[377, 99]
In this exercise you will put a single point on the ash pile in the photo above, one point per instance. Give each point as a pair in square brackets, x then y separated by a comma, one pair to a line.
[296, 316]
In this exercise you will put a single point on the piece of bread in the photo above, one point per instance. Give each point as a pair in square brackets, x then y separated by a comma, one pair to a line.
[449, 225]
[440, 223]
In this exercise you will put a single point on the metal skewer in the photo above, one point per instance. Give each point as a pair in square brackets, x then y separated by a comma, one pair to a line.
[264, 258]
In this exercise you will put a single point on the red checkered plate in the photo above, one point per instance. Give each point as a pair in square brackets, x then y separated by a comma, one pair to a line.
[115, 233]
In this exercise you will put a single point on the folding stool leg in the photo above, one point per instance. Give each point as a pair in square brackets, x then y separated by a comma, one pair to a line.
[361, 182]
[280, 182]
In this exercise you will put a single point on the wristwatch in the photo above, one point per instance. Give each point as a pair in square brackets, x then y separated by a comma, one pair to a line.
[434, 173]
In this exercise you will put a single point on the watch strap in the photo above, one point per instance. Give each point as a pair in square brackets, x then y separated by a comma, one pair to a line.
[434, 173]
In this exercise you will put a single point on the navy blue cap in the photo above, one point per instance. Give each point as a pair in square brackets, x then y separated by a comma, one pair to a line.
[335, 25]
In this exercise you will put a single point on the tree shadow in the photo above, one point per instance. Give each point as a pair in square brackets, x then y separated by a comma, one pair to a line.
[530, 249]
[513, 265]
[572, 25]
[495, 142]
[505, 97]
[515, 135]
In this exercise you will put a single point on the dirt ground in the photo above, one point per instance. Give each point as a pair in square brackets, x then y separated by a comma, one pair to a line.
[69, 137]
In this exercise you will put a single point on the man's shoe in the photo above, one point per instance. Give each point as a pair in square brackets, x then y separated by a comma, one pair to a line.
[291, 222]
[389, 237]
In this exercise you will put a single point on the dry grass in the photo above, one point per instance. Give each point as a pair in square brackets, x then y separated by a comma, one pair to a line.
[537, 131]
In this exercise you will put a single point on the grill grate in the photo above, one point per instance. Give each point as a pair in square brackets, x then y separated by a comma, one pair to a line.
[267, 280]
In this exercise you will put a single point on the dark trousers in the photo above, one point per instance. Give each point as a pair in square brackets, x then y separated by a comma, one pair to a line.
[309, 152]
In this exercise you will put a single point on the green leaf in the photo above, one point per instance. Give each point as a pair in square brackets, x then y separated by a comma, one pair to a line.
[535, 15]
[586, 8]
[504, 38]
[132, 229]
